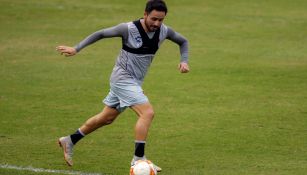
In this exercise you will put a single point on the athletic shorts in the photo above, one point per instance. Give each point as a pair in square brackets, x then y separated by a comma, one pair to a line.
[124, 94]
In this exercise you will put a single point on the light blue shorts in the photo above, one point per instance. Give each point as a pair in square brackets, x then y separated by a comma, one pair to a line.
[125, 94]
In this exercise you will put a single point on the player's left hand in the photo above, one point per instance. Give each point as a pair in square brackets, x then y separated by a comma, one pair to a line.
[66, 50]
[183, 67]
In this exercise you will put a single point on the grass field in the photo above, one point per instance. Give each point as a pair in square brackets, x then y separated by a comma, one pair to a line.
[242, 110]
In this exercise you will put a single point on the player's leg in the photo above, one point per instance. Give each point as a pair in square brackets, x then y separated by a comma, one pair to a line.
[107, 116]
[145, 114]
[131, 94]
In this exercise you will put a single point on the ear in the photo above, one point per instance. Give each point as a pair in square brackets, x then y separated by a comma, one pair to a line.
[145, 14]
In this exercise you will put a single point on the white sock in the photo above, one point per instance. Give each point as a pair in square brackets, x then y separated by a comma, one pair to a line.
[136, 158]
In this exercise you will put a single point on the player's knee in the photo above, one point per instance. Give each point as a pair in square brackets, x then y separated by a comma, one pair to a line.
[149, 114]
[109, 121]
[105, 120]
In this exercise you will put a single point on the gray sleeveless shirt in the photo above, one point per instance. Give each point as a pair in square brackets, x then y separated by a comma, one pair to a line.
[132, 67]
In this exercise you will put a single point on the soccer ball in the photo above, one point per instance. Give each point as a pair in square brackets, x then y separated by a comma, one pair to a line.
[143, 167]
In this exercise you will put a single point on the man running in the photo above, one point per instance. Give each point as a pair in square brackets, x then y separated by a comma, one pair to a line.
[140, 41]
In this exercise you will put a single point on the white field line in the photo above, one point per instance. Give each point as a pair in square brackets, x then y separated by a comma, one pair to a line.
[41, 170]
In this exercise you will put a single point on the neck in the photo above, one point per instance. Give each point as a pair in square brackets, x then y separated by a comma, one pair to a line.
[144, 25]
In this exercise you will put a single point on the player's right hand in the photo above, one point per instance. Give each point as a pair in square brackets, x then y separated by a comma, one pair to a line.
[66, 50]
[183, 67]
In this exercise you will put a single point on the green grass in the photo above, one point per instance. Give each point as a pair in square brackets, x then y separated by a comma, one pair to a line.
[241, 110]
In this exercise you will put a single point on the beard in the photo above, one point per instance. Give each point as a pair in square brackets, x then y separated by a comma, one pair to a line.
[150, 28]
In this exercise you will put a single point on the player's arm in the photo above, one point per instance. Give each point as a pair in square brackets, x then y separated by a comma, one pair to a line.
[184, 49]
[116, 31]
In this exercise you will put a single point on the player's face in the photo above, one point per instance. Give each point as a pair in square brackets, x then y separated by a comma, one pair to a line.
[153, 20]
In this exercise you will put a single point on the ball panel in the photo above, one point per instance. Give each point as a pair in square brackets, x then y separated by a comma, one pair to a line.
[143, 167]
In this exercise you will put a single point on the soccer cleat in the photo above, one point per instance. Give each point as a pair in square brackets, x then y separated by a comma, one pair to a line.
[67, 145]
[158, 169]
[135, 159]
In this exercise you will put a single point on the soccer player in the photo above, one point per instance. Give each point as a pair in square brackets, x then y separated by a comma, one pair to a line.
[140, 41]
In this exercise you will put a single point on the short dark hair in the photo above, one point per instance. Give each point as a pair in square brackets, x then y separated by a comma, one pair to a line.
[158, 5]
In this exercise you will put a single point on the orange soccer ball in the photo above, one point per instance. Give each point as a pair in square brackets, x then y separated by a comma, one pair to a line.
[143, 167]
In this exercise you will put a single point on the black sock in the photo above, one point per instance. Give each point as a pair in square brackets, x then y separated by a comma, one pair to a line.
[139, 148]
[75, 137]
